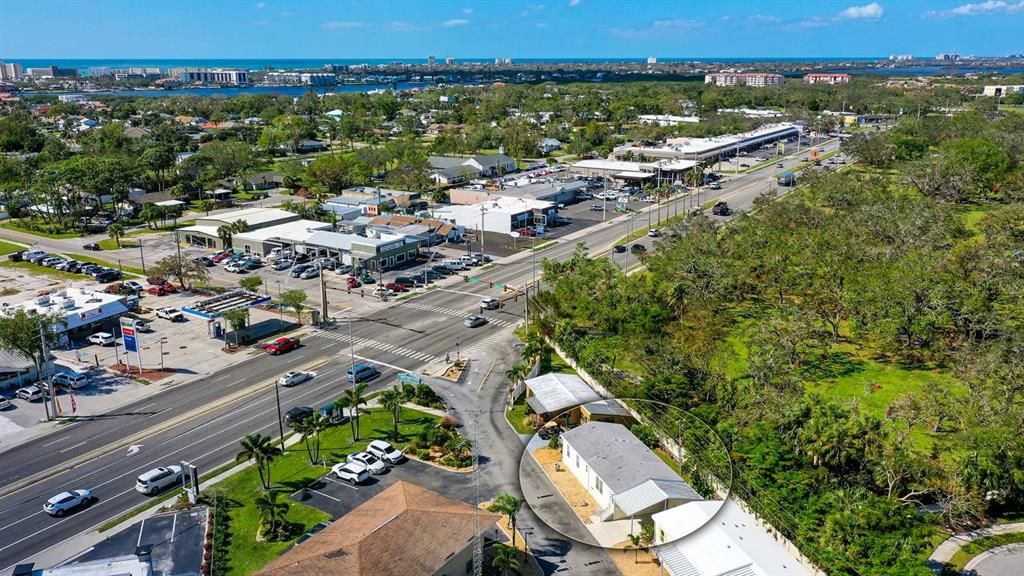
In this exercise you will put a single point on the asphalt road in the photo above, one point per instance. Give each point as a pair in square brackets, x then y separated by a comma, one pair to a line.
[204, 420]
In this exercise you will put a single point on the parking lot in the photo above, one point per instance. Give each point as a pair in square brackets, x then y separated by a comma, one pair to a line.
[175, 538]
[337, 497]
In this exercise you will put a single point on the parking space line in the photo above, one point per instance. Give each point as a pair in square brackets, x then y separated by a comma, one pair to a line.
[325, 495]
[174, 523]
[142, 525]
[340, 483]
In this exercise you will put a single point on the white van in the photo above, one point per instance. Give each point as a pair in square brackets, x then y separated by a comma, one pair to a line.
[455, 264]
[72, 380]
[157, 479]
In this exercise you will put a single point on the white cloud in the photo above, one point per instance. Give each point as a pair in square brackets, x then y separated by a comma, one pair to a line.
[342, 25]
[467, 10]
[978, 9]
[872, 11]
[574, 3]
[674, 24]
[455, 22]
[532, 9]
[261, 4]
[401, 26]
[763, 18]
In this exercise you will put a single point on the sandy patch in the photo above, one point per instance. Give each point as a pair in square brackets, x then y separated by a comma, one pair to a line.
[575, 494]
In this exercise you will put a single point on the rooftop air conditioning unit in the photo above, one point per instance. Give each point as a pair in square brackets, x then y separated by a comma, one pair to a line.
[68, 303]
[43, 300]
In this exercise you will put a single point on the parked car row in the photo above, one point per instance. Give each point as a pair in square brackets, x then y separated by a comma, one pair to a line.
[40, 258]
[377, 459]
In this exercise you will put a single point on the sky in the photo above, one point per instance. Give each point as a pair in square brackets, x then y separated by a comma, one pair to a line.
[499, 28]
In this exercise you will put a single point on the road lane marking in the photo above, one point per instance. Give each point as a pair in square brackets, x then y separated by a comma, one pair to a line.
[73, 447]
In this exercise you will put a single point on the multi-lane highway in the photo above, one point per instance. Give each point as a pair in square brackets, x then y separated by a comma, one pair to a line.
[202, 421]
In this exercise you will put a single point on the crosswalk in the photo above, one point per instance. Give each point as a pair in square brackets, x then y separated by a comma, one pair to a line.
[484, 344]
[457, 313]
[342, 336]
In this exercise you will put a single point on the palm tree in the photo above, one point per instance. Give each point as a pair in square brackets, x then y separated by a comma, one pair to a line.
[506, 559]
[239, 226]
[261, 450]
[310, 428]
[272, 513]
[392, 400]
[352, 399]
[225, 232]
[116, 231]
[509, 505]
[533, 346]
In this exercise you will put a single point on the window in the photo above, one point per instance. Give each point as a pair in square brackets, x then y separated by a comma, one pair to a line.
[469, 566]
[577, 460]
[598, 485]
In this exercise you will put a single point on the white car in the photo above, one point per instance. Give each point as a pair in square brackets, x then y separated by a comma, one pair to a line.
[143, 326]
[653, 233]
[372, 463]
[71, 380]
[385, 451]
[102, 338]
[351, 472]
[65, 502]
[157, 479]
[236, 267]
[490, 303]
[4, 402]
[29, 393]
[172, 314]
[382, 291]
[293, 378]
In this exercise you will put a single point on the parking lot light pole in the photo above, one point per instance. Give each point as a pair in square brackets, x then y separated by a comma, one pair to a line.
[280, 420]
[280, 307]
[162, 340]
[142, 257]
[352, 350]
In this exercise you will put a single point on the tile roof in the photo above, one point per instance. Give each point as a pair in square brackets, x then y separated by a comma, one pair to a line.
[404, 530]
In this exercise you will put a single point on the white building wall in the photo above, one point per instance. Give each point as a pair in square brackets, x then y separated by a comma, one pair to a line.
[597, 489]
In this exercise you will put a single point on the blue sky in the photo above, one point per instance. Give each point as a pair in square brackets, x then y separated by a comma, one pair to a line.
[490, 28]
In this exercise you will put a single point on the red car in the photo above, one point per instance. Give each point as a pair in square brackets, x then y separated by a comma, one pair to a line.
[222, 256]
[527, 232]
[162, 289]
[396, 287]
[283, 344]
[352, 283]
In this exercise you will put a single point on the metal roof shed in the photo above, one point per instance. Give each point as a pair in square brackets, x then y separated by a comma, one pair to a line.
[554, 393]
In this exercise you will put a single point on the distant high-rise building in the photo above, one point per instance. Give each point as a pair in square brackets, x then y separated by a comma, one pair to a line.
[505, 61]
[212, 75]
[951, 57]
[431, 60]
[100, 71]
[758, 79]
[652, 60]
[10, 71]
[41, 72]
[449, 61]
[901, 57]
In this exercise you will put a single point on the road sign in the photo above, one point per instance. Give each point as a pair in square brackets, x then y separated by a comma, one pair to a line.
[474, 280]
[128, 335]
[499, 286]
[409, 378]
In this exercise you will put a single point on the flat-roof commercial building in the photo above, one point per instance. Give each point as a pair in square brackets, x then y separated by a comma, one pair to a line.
[696, 149]
[559, 192]
[404, 530]
[625, 478]
[204, 232]
[714, 538]
[380, 253]
[80, 312]
[757, 79]
[500, 214]
[666, 119]
[262, 240]
[827, 78]
[454, 169]
[658, 171]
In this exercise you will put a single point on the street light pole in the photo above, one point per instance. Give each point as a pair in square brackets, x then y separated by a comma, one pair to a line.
[142, 257]
[280, 306]
[162, 354]
[280, 420]
[352, 350]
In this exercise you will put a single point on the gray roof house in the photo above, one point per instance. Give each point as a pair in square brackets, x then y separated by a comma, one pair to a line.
[551, 394]
[621, 473]
[453, 169]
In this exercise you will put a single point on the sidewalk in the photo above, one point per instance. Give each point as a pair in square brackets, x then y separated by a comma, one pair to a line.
[945, 551]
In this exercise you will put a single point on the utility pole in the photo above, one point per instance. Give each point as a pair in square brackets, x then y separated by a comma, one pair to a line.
[280, 420]
[352, 350]
[52, 412]
[323, 298]
[142, 257]
[483, 210]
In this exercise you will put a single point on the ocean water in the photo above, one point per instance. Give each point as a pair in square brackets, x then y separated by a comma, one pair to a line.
[83, 64]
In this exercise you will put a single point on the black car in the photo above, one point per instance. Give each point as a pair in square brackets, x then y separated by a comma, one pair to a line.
[619, 248]
[432, 275]
[405, 281]
[205, 261]
[442, 269]
[297, 270]
[74, 267]
[297, 414]
[638, 249]
[301, 258]
[108, 276]
[721, 209]
[92, 246]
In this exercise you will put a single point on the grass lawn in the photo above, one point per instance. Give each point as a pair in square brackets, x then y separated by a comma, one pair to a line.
[517, 415]
[964, 555]
[42, 270]
[16, 225]
[111, 244]
[291, 473]
[7, 247]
